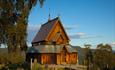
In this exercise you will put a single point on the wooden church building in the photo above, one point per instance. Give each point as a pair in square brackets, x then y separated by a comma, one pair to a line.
[51, 45]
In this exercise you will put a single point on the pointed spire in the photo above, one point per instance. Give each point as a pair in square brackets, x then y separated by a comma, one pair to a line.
[58, 15]
[49, 17]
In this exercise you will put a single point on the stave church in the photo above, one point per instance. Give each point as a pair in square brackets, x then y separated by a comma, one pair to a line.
[51, 45]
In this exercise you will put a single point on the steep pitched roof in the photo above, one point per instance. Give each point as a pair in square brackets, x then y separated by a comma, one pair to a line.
[50, 49]
[45, 30]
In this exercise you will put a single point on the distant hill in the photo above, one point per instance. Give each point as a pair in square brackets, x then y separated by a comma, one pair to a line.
[114, 51]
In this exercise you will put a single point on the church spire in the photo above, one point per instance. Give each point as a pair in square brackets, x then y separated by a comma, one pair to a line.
[58, 16]
[49, 17]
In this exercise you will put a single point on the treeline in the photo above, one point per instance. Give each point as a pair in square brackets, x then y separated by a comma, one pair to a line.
[101, 58]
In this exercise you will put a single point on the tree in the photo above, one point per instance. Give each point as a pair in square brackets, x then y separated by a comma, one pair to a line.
[13, 22]
[103, 57]
[10, 60]
[88, 56]
[104, 47]
[15, 58]
[3, 58]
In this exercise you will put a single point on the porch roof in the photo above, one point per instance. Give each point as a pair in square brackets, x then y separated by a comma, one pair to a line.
[50, 49]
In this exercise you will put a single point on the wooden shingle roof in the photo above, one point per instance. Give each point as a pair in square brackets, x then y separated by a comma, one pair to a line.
[45, 30]
[50, 49]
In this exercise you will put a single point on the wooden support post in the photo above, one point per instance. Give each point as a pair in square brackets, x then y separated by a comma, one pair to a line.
[31, 64]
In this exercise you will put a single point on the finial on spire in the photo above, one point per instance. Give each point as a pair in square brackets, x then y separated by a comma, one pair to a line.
[58, 15]
[49, 17]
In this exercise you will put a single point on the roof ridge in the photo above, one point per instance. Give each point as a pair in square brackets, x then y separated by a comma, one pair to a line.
[50, 21]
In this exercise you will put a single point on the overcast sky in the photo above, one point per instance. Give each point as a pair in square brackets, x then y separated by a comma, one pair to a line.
[85, 21]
